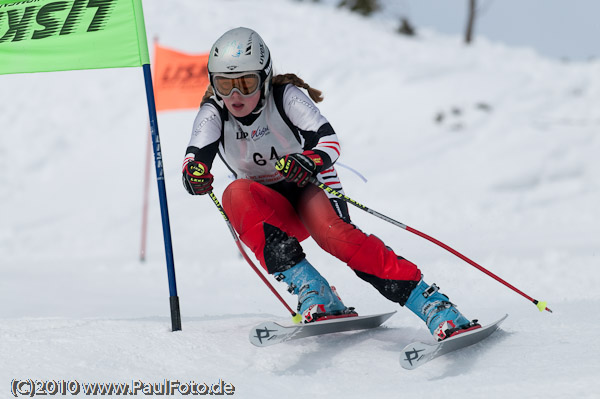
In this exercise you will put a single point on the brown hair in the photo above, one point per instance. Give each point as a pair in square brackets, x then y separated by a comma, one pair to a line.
[315, 95]
[207, 94]
[279, 80]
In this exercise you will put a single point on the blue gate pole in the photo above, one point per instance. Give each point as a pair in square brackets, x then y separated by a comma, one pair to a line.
[162, 194]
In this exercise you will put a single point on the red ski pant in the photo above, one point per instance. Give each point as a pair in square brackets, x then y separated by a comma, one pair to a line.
[250, 204]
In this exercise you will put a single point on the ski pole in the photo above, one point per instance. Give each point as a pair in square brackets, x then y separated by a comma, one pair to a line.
[541, 305]
[295, 316]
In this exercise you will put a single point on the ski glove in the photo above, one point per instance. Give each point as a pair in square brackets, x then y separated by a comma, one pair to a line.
[298, 168]
[196, 179]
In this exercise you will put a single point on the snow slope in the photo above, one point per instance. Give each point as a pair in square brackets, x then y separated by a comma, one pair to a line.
[507, 175]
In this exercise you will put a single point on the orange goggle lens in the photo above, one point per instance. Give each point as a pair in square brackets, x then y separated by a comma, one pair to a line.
[246, 84]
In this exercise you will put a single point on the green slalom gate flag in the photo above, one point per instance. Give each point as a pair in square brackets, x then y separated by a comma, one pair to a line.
[59, 35]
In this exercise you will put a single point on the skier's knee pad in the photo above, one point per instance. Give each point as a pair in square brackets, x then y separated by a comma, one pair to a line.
[281, 251]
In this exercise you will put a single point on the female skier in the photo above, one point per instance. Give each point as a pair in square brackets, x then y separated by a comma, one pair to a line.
[254, 120]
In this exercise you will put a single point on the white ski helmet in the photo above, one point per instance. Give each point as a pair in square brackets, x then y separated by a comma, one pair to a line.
[241, 50]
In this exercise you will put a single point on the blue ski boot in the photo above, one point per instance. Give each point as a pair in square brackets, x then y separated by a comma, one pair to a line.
[316, 299]
[436, 310]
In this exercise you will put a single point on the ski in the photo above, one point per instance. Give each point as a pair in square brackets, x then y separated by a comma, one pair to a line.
[271, 332]
[419, 353]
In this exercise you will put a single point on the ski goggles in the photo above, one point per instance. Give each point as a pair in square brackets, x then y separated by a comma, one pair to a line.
[246, 83]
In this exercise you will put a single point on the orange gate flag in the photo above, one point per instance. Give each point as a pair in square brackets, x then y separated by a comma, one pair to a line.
[180, 79]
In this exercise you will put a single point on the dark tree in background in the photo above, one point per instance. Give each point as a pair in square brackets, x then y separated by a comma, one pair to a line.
[364, 7]
[471, 21]
[406, 27]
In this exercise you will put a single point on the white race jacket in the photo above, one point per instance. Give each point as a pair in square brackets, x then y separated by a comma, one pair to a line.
[288, 123]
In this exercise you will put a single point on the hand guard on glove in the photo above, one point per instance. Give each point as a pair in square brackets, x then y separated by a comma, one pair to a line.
[196, 179]
[299, 168]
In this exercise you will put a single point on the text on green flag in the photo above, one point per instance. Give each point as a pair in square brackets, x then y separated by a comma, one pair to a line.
[58, 35]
